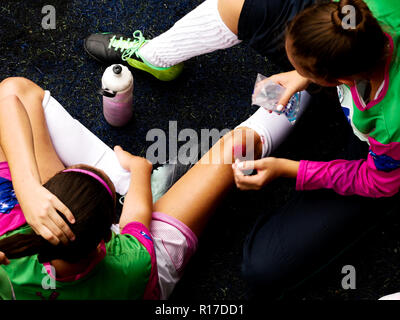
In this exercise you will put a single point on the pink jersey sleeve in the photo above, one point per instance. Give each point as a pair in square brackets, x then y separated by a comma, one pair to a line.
[375, 177]
[140, 232]
[360, 177]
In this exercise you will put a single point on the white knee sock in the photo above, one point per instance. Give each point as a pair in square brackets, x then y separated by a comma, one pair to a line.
[200, 31]
[272, 127]
[75, 144]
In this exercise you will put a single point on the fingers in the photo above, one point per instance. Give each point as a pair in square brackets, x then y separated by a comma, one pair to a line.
[3, 259]
[284, 100]
[56, 225]
[48, 235]
[245, 165]
[53, 228]
[64, 210]
[244, 182]
[62, 231]
[118, 149]
[250, 164]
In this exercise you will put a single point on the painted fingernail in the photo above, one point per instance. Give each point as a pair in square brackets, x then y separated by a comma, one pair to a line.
[279, 107]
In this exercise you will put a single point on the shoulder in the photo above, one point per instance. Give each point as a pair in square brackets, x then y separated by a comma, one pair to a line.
[133, 245]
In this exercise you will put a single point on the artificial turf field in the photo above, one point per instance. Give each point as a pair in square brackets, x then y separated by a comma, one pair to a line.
[214, 91]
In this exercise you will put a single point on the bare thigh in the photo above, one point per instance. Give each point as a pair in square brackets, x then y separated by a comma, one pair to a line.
[230, 10]
[31, 96]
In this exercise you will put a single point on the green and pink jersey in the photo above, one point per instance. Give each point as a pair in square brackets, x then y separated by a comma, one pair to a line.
[376, 122]
[125, 269]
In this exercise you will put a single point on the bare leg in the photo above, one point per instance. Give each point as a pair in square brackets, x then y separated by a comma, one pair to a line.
[229, 11]
[193, 198]
[31, 96]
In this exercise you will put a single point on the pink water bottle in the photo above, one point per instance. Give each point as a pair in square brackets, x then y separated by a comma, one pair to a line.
[117, 91]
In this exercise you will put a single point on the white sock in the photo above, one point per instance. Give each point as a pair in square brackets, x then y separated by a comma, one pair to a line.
[200, 31]
[272, 127]
[75, 144]
[394, 296]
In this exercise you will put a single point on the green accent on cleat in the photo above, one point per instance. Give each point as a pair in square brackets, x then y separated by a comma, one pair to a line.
[130, 47]
[163, 74]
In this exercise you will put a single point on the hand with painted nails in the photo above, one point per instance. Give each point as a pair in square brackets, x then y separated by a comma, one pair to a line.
[3, 259]
[293, 82]
[268, 169]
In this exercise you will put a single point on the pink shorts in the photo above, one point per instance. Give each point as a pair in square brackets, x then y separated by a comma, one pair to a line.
[174, 244]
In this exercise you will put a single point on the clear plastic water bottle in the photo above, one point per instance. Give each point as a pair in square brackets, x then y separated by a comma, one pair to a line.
[292, 107]
[269, 94]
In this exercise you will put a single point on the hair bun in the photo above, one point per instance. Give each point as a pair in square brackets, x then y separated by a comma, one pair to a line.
[342, 20]
[337, 18]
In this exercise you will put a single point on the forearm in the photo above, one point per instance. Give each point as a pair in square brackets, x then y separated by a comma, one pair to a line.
[16, 140]
[138, 204]
[349, 177]
[288, 168]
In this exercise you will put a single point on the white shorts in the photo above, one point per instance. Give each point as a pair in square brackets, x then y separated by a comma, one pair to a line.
[394, 296]
[174, 244]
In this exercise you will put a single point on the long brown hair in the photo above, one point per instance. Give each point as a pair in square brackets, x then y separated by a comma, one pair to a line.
[327, 50]
[94, 211]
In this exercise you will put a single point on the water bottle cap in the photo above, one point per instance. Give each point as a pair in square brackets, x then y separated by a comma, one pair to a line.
[117, 69]
[117, 78]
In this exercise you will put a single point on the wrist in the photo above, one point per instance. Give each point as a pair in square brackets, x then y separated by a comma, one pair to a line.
[142, 166]
[25, 180]
[287, 168]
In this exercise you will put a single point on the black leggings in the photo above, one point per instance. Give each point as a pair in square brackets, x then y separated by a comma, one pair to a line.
[308, 232]
[262, 24]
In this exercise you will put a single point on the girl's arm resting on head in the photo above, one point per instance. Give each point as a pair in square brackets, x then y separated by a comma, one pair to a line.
[355, 177]
[37, 203]
[17, 141]
[138, 203]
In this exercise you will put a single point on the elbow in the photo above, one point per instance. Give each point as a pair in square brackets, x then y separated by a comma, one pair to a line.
[382, 191]
[385, 193]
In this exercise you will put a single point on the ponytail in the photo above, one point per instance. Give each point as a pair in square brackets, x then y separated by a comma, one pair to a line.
[21, 245]
[326, 45]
